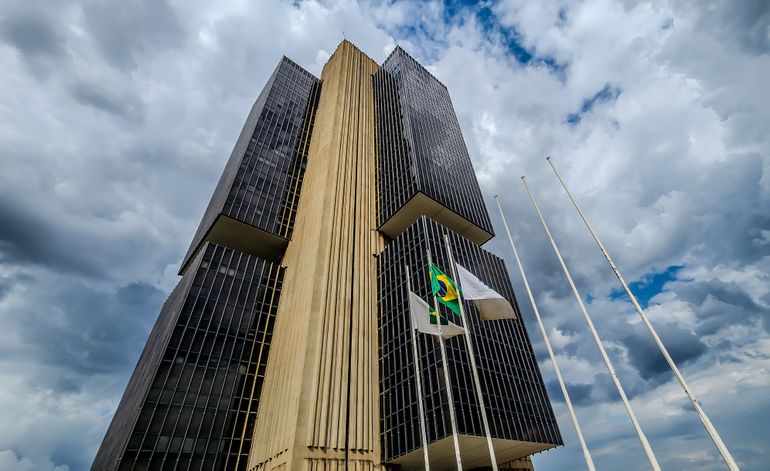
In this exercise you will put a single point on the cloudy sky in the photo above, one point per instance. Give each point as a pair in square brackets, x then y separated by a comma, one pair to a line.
[116, 119]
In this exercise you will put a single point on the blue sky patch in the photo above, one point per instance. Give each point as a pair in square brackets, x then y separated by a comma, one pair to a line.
[648, 286]
[507, 36]
[608, 93]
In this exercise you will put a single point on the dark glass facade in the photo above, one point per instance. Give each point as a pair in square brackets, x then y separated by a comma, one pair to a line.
[192, 401]
[261, 181]
[426, 188]
[420, 146]
[516, 401]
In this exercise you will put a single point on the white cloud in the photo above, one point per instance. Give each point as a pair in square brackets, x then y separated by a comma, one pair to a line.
[9, 461]
[559, 339]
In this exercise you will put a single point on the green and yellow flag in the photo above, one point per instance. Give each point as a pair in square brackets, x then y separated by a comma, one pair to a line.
[434, 315]
[424, 319]
[444, 289]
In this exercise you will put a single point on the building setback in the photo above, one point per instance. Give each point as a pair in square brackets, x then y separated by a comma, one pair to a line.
[286, 343]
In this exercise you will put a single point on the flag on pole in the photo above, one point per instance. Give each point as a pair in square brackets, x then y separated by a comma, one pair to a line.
[445, 290]
[424, 319]
[491, 304]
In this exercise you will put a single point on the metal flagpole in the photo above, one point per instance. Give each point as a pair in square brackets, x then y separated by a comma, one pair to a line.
[615, 379]
[472, 357]
[695, 404]
[586, 453]
[420, 406]
[452, 417]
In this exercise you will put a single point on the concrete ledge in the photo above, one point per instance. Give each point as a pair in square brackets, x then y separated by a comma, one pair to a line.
[234, 234]
[473, 452]
[423, 205]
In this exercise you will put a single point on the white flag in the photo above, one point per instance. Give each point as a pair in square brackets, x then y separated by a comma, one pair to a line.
[421, 315]
[491, 304]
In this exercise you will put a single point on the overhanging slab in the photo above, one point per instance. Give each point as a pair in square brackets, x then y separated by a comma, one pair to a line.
[423, 205]
[473, 452]
[240, 236]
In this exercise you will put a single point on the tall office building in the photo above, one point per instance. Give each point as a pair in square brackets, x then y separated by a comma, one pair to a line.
[286, 342]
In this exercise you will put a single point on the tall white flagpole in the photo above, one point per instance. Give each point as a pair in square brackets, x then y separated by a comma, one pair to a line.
[472, 357]
[418, 376]
[642, 438]
[695, 404]
[586, 453]
[444, 361]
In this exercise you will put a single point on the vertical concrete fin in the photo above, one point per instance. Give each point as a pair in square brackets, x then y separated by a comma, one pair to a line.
[320, 399]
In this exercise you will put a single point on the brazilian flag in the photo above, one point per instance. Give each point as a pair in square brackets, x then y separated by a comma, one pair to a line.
[434, 315]
[444, 289]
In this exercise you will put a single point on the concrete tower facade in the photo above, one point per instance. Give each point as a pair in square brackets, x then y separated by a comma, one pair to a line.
[320, 394]
[283, 346]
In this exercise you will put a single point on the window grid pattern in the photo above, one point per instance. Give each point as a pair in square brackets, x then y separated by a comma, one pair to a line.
[263, 176]
[200, 409]
[264, 192]
[515, 397]
[288, 211]
[439, 163]
[396, 172]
